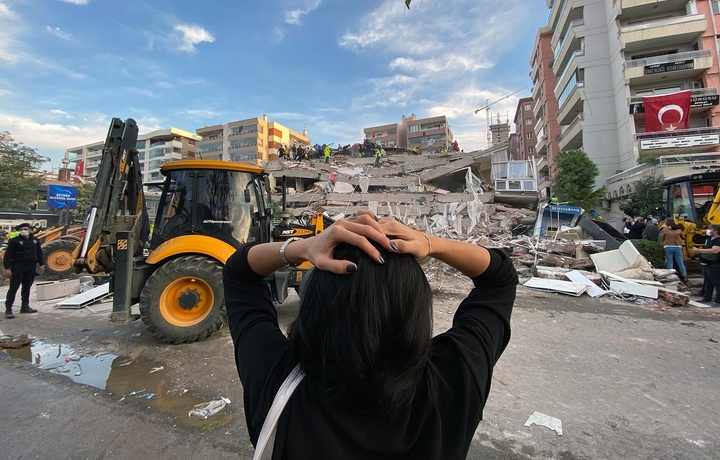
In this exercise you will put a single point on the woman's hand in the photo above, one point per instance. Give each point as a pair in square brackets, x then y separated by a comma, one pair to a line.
[358, 230]
[406, 240]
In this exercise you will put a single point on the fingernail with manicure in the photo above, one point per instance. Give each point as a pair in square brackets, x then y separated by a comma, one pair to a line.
[382, 260]
[393, 246]
[351, 268]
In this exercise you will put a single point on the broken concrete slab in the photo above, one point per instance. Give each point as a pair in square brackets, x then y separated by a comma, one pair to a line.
[86, 298]
[562, 287]
[627, 286]
[48, 290]
[593, 289]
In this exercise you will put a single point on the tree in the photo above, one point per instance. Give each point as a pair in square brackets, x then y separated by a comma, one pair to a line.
[85, 192]
[645, 199]
[575, 181]
[19, 178]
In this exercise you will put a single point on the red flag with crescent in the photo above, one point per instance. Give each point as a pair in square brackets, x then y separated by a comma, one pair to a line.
[667, 112]
[80, 168]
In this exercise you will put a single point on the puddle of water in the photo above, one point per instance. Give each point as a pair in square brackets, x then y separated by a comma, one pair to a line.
[136, 380]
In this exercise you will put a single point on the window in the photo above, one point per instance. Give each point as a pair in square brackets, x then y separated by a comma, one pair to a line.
[529, 135]
[715, 6]
[531, 149]
[528, 121]
[414, 128]
[526, 107]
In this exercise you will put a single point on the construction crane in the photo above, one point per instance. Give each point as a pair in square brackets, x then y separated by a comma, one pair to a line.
[487, 106]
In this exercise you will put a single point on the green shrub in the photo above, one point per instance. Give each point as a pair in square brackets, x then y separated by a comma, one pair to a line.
[652, 251]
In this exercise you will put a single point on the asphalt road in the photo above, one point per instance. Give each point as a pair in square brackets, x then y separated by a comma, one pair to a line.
[626, 381]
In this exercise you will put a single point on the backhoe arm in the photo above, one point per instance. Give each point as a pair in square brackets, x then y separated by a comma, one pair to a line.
[117, 201]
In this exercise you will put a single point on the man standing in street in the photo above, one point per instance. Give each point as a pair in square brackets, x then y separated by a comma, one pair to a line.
[709, 256]
[22, 255]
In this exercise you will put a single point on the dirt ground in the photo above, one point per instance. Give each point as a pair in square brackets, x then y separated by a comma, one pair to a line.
[627, 379]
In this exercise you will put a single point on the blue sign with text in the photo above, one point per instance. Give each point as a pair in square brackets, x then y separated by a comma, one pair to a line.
[62, 197]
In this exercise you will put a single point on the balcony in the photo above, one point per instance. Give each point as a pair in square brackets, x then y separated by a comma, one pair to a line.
[535, 70]
[538, 109]
[542, 145]
[700, 100]
[571, 135]
[659, 33]
[644, 8]
[210, 138]
[678, 142]
[681, 66]
[538, 125]
[568, 74]
[537, 90]
[567, 13]
[570, 103]
[570, 42]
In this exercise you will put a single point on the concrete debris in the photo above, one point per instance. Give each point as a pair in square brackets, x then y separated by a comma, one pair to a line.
[450, 196]
[547, 421]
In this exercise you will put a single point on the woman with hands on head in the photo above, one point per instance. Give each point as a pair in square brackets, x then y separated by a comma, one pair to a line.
[377, 384]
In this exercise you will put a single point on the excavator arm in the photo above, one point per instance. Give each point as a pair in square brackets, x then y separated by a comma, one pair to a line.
[118, 202]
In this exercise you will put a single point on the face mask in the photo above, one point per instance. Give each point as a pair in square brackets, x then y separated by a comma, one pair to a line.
[24, 233]
[708, 232]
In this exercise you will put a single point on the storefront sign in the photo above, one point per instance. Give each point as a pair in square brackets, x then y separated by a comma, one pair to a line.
[62, 197]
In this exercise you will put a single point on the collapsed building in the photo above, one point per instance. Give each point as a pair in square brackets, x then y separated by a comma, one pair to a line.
[436, 190]
[485, 198]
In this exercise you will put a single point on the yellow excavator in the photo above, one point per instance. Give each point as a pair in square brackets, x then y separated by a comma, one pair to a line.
[694, 201]
[207, 209]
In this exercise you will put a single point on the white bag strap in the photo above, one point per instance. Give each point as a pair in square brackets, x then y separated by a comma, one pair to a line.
[266, 440]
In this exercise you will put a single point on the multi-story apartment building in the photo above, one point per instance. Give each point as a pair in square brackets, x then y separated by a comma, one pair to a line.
[607, 55]
[545, 107]
[525, 129]
[154, 149]
[392, 135]
[429, 134]
[253, 140]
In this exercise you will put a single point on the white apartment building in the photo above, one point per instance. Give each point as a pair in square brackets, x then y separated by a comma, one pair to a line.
[154, 149]
[607, 55]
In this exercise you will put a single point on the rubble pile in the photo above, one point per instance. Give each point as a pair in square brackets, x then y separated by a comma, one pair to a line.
[416, 189]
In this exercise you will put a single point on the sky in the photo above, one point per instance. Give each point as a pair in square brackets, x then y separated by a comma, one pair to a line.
[67, 67]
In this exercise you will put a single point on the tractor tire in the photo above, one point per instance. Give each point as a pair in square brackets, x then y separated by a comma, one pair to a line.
[58, 259]
[183, 300]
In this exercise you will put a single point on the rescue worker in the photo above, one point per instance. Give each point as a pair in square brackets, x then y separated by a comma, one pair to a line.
[326, 153]
[21, 256]
[378, 152]
[416, 150]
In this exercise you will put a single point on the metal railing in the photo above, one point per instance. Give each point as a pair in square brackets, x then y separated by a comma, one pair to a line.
[661, 22]
[697, 92]
[564, 129]
[678, 133]
[667, 58]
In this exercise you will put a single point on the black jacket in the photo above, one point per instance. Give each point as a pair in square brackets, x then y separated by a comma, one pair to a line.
[22, 250]
[439, 423]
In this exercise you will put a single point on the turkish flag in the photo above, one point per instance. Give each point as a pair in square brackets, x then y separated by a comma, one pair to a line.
[667, 112]
[80, 168]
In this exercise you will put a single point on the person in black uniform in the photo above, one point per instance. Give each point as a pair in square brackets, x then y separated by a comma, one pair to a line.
[21, 256]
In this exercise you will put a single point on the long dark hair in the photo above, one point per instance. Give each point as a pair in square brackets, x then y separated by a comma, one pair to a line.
[364, 338]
